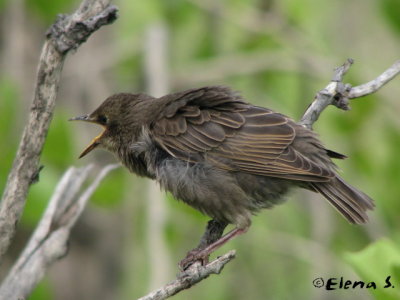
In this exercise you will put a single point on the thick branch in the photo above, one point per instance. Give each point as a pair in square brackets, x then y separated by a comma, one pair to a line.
[194, 274]
[49, 241]
[338, 94]
[67, 33]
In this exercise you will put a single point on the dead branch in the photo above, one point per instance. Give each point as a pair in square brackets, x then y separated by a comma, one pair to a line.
[194, 274]
[375, 84]
[67, 33]
[338, 94]
[48, 243]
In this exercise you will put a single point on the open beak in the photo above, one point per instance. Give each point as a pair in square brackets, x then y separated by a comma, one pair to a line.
[95, 142]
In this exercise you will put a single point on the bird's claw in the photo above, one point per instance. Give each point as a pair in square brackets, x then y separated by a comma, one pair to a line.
[192, 257]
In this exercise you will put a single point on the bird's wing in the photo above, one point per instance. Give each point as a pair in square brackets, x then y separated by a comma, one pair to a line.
[214, 124]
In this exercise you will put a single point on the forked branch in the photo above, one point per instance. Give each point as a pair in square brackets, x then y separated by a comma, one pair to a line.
[338, 94]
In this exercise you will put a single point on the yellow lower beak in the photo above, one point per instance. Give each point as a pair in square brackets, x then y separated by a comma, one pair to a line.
[93, 144]
[96, 141]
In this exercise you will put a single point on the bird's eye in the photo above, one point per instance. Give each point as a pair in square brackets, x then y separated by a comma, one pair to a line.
[102, 119]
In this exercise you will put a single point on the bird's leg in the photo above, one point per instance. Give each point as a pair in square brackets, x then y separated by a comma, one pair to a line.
[202, 254]
[213, 232]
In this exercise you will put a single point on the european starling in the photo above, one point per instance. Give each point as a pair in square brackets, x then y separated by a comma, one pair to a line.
[221, 155]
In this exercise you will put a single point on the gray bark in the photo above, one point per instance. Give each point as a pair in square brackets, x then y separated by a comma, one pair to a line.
[67, 33]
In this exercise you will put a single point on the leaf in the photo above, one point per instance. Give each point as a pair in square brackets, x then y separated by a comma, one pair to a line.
[375, 263]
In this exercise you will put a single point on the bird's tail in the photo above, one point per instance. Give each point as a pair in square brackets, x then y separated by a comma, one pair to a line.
[349, 201]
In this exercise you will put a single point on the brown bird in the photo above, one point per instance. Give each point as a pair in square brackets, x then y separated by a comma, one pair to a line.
[221, 155]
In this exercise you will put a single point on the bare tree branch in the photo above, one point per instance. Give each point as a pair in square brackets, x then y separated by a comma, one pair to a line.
[376, 84]
[49, 241]
[338, 94]
[67, 33]
[194, 274]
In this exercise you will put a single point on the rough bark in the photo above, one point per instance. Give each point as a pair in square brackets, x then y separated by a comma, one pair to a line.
[338, 94]
[66, 34]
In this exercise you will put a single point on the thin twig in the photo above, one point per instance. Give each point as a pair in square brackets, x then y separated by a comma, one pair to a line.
[342, 70]
[67, 33]
[377, 83]
[49, 240]
[338, 94]
[190, 277]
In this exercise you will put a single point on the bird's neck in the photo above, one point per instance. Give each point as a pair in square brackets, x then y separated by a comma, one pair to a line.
[142, 156]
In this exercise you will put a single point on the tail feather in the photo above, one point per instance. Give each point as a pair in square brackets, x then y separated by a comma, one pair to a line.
[349, 201]
[334, 154]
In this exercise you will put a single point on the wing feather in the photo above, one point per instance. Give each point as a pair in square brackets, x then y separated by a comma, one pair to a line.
[214, 124]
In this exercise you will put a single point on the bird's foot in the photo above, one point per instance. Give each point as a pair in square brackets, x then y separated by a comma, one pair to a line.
[193, 256]
[202, 254]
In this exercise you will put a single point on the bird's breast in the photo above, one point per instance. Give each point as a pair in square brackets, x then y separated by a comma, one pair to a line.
[136, 163]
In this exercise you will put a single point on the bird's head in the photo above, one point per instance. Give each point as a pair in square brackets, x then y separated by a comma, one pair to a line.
[121, 116]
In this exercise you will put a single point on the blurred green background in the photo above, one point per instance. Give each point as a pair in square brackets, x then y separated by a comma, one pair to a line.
[278, 54]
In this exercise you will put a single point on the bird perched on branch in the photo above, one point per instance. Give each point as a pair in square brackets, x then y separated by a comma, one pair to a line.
[221, 155]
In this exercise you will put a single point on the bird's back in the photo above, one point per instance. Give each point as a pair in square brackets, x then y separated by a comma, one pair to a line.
[229, 158]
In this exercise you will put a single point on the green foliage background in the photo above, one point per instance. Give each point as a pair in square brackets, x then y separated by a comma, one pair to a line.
[278, 54]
